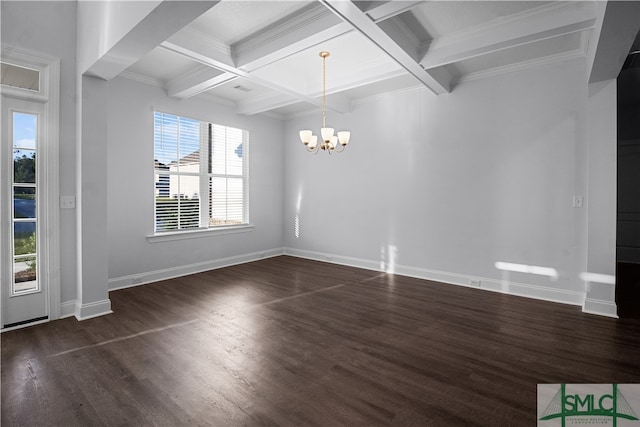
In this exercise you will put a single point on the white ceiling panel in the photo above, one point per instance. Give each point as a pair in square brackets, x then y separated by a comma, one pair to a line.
[296, 109]
[352, 56]
[163, 65]
[239, 89]
[394, 84]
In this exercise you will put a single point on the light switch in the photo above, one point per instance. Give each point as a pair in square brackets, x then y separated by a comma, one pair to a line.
[67, 202]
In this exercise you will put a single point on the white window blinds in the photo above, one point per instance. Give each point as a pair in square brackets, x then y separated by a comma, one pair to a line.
[227, 178]
[200, 174]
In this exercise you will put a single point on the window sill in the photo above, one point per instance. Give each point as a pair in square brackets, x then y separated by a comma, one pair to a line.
[199, 233]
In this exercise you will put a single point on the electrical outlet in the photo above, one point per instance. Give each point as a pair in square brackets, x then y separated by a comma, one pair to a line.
[474, 282]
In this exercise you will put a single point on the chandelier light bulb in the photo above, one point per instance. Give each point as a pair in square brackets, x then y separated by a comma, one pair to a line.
[313, 142]
[305, 136]
[327, 133]
[343, 137]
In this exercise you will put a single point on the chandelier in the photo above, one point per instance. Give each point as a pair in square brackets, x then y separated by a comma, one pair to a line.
[329, 141]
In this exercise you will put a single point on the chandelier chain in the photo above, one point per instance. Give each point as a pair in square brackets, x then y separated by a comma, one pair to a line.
[324, 94]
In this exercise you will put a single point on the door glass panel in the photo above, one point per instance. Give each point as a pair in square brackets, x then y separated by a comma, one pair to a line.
[25, 126]
[24, 202]
[24, 166]
[25, 255]
[24, 261]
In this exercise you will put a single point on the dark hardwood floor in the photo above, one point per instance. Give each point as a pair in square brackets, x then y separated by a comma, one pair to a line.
[286, 341]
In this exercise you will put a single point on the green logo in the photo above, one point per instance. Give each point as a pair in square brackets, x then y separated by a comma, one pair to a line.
[603, 406]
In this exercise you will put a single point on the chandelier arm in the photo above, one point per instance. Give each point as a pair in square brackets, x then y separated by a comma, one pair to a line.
[342, 148]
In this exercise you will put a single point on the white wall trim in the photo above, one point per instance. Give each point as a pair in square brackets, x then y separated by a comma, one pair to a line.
[184, 270]
[600, 307]
[67, 309]
[506, 287]
[93, 309]
[168, 236]
[52, 189]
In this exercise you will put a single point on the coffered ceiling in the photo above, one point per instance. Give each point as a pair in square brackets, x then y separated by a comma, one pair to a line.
[262, 56]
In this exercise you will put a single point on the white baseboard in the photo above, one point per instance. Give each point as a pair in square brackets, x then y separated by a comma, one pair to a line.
[184, 270]
[67, 309]
[507, 287]
[93, 309]
[603, 308]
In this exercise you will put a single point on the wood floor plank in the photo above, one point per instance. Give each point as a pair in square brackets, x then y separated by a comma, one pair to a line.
[293, 342]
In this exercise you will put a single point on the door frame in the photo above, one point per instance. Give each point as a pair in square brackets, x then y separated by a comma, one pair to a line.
[48, 154]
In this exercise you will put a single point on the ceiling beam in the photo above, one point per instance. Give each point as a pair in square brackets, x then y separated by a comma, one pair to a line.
[549, 22]
[292, 34]
[307, 28]
[619, 28]
[386, 10]
[361, 22]
[164, 20]
[202, 48]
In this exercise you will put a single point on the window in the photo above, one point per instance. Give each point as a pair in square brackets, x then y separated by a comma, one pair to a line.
[19, 77]
[200, 174]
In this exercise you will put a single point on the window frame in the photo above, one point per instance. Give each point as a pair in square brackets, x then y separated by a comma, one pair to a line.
[204, 175]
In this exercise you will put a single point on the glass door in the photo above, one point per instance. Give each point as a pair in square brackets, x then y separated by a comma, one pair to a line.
[24, 293]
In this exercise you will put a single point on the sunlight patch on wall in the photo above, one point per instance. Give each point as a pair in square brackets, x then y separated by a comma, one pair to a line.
[589, 278]
[607, 279]
[388, 258]
[296, 221]
[529, 269]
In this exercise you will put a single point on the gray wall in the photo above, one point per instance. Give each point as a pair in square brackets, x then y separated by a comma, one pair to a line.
[131, 185]
[445, 187]
[28, 25]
